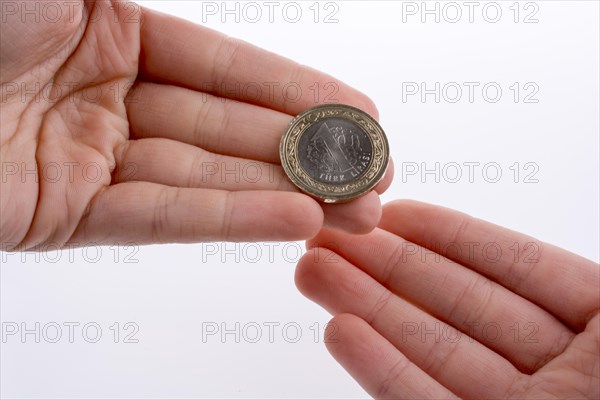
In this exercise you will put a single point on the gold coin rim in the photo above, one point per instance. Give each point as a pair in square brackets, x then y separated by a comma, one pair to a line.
[334, 193]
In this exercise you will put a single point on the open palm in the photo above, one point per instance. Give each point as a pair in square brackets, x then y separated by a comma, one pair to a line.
[436, 304]
[116, 128]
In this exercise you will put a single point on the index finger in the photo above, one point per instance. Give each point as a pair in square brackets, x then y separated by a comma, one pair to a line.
[179, 52]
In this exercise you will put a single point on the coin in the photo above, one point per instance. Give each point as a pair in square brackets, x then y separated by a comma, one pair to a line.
[334, 152]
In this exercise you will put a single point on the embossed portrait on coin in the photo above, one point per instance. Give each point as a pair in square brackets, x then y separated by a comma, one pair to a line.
[320, 156]
[335, 151]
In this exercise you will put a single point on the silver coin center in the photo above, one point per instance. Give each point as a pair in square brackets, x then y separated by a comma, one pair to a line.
[335, 151]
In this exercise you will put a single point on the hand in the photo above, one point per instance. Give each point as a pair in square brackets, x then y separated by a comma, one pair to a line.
[437, 304]
[107, 136]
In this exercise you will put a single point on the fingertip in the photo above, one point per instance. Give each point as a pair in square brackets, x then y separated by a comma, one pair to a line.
[399, 206]
[308, 219]
[386, 182]
[302, 268]
[305, 271]
[370, 108]
[312, 242]
[325, 238]
[359, 217]
[308, 276]
[402, 210]
[408, 218]
[264, 215]
[335, 332]
[369, 217]
[358, 99]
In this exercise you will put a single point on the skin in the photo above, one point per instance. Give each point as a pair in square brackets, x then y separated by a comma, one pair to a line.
[120, 114]
[124, 90]
[421, 311]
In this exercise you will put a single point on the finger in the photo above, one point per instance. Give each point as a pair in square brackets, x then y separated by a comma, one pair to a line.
[512, 326]
[216, 124]
[377, 365]
[387, 179]
[173, 163]
[146, 213]
[359, 216]
[217, 64]
[561, 282]
[453, 359]
[176, 164]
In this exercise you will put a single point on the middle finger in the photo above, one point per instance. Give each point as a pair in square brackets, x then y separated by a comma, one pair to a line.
[216, 124]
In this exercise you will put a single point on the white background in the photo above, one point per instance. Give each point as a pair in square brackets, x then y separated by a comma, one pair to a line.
[174, 292]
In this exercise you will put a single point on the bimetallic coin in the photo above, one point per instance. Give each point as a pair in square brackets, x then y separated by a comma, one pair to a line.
[334, 152]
